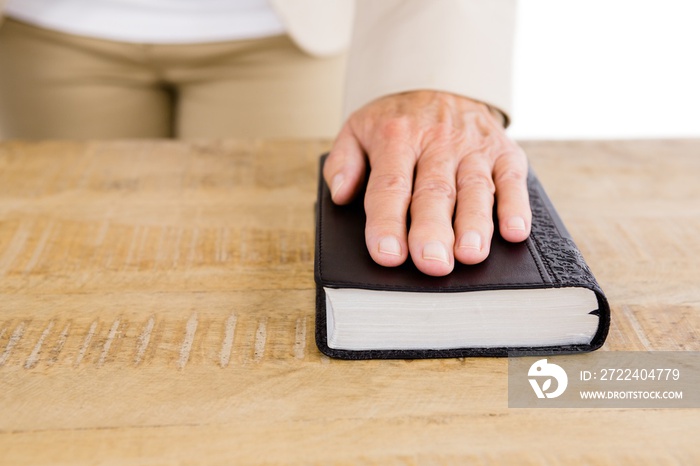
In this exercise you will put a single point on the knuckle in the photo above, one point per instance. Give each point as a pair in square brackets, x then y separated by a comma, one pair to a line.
[397, 183]
[395, 128]
[474, 215]
[435, 187]
[511, 176]
[515, 150]
[476, 180]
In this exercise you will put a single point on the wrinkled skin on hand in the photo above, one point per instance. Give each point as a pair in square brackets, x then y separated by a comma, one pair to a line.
[444, 157]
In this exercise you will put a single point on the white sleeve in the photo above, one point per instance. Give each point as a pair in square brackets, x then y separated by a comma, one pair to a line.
[463, 47]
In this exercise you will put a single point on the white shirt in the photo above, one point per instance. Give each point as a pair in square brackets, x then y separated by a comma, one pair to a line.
[152, 21]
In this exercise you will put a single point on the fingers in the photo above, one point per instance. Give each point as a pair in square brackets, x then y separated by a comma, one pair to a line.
[388, 191]
[473, 223]
[387, 198]
[431, 238]
[457, 175]
[510, 177]
[477, 182]
[344, 169]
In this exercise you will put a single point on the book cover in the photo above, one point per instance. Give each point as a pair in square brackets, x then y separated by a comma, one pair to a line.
[547, 260]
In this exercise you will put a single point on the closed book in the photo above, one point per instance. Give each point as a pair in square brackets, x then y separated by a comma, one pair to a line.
[537, 297]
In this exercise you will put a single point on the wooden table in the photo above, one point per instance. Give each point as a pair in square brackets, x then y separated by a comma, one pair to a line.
[157, 300]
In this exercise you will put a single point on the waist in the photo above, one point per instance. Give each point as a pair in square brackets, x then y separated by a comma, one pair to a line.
[152, 21]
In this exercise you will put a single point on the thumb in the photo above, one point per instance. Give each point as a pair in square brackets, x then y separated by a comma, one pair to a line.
[344, 169]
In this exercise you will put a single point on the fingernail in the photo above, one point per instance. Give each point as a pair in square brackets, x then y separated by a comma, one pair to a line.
[435, 251]
[516, 223]
[337, 183]
[470, 240]
[390, 245]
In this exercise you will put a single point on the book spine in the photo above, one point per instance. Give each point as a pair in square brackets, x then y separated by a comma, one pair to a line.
[556, 249]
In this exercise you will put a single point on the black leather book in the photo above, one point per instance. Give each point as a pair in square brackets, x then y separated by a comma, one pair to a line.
[537, 297]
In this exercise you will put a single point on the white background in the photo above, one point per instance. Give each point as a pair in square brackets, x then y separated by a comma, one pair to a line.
[607, 69]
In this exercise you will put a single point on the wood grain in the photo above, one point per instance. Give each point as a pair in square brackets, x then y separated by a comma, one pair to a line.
[157, 300]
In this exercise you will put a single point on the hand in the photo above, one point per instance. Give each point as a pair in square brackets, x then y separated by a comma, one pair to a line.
[444, 157]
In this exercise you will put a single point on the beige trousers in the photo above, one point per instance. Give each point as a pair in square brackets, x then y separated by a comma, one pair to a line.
[55, 85]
